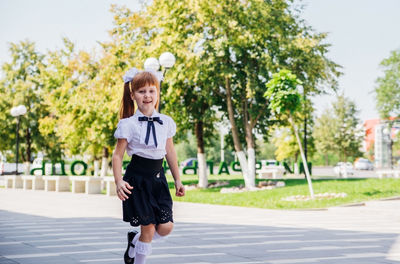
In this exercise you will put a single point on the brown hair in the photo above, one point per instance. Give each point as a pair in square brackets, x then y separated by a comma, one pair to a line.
[127, 108]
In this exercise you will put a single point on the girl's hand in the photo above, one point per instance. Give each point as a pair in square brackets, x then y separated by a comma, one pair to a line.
[179, 189]
[123, 189]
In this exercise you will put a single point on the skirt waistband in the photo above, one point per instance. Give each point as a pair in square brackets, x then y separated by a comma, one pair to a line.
[141, 163]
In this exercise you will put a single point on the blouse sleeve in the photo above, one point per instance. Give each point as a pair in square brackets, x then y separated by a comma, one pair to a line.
[171, 128]
[123, 130]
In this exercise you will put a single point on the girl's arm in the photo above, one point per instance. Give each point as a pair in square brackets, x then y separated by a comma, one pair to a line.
[173, 166]
[122, 186]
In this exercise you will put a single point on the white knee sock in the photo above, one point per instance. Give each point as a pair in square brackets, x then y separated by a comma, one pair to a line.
[131, 251]
[142, 249]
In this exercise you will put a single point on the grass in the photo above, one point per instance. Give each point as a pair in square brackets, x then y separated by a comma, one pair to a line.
[357, 190]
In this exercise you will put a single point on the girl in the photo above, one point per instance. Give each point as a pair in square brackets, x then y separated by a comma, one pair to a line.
[146, 135]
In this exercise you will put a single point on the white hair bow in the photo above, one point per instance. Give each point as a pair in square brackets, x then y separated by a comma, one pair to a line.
[131, 73]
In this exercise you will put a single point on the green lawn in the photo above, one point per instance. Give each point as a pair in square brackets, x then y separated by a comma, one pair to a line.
[357, 190]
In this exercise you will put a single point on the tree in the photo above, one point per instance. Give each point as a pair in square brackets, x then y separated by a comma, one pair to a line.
[348, 133]
[285, 102]
[286, 144]
[21, 84]
[186, 94]
[388, 86]
[81, 92]
[226, 51]
[248, 40]
[65, 78]
[323, 134]
[338, 130]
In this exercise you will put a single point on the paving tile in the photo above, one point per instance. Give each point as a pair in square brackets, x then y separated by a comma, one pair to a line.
[32, 239]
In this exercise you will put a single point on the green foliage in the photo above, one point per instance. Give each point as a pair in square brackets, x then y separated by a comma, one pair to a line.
[81, 92]
[388, 86]
[265, 150]
[323, 134]
[21, 84]
[284, 140]
[338, 130]
[285, 102]
[348, 136]
[169, 26]
[221, 44]
[186, 149]
[286, 145]
[324, 159]
[75, 95]
[282, 93]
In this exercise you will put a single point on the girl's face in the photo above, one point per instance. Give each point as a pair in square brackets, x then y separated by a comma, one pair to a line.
[146, 98]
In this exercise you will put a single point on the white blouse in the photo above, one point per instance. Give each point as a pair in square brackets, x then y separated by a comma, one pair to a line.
[134, 131]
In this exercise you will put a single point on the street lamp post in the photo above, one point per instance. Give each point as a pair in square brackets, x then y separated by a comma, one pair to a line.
[17, 112]
[166, 60]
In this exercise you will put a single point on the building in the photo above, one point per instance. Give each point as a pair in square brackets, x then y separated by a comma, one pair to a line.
[380, 134]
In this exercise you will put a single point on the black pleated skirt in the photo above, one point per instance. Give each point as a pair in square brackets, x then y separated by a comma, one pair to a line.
[150, 201]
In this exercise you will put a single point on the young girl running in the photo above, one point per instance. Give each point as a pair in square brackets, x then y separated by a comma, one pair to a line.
[146, 135]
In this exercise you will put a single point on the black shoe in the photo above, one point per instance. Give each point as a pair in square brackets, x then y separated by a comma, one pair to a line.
[127, 259]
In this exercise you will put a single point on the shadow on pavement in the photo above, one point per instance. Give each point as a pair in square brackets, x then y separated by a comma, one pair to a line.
[34, 239]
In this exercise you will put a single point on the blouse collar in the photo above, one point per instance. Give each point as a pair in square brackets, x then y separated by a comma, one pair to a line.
[138, 113]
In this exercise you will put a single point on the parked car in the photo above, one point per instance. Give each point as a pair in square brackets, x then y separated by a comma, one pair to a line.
[343, 168]
[363, 164]
[269, 163]
[188, 162]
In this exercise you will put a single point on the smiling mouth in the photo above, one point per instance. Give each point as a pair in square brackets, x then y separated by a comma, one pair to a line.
[147, 102]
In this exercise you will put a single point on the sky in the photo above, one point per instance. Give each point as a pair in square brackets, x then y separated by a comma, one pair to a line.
[362, 33]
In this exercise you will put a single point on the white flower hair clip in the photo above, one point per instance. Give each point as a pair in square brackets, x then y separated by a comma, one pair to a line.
[131, 73]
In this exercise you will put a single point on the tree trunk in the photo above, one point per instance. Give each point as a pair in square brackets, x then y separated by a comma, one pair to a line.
[96, 165]
[302, 157]
[104, 162]
[296, 169]
[235, 134]
[251, 154]
[27, 168]
[305, 124]
[201, 157]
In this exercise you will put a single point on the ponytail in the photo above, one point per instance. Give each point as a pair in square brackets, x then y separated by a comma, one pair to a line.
[127, 108]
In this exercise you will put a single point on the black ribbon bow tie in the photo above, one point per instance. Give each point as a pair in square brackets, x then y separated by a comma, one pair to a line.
[150, 125]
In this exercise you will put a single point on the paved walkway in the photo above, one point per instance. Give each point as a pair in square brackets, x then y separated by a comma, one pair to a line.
[47, 227]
